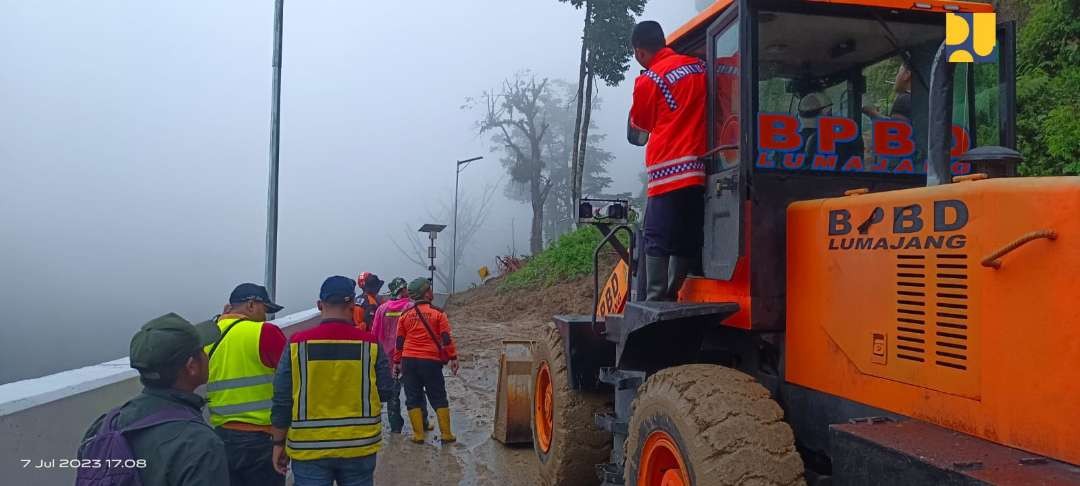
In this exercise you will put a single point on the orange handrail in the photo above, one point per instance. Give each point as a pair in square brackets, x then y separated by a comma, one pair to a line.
[993, 260]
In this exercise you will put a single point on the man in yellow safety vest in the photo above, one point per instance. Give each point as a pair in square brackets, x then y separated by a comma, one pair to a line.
[240, 388]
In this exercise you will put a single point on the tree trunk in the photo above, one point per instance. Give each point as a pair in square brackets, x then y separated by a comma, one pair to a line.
[575, 174]
[584, 141]
[536, 237]
[537, 195]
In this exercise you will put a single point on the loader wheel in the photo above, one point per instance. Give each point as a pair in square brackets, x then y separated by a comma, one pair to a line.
[567, 443]
[706, 425]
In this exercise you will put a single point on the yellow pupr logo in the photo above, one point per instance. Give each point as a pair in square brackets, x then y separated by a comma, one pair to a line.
[971, 37]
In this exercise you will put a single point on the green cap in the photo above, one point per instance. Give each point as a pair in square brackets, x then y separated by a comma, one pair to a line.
[397, 285]
[167, 340]
[418, 287]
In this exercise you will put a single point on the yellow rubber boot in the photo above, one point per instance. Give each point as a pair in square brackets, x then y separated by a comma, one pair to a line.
[444, 425]
[416, 419]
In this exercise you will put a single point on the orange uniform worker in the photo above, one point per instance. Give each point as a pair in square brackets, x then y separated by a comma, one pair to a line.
[424, 346]
[669, 103]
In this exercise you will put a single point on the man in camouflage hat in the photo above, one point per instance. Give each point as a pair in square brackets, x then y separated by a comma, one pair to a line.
[168, 354]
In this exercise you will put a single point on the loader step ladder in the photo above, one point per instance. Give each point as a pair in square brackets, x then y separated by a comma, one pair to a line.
[638, 316]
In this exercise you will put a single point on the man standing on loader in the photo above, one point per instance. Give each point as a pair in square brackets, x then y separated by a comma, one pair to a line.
[669, 104]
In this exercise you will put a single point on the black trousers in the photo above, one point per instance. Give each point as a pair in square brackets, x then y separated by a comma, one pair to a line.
[393, 407]
[250, 456]
[674, 223]
[423, 377]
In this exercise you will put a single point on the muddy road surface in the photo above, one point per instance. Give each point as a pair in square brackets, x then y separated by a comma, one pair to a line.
[481, 319]
[476, 459]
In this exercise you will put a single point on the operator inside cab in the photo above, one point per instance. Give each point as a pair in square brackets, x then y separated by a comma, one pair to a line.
[669, 104]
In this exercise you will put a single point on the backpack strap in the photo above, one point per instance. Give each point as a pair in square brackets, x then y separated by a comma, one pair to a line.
[427, 328]
[108, 424]
[222, 338]
[171, 414]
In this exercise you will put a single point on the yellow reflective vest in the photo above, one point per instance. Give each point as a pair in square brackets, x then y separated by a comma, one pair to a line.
[336, 409]
[240, 386]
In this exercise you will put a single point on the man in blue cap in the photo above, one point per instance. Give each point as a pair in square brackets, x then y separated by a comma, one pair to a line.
[329, 422]
[241, 386]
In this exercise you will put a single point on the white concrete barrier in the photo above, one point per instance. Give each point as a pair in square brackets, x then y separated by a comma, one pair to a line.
[44, 419]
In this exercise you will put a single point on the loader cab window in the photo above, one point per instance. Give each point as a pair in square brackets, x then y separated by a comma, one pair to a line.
[826, 84]
[724, 97]
[977, 104]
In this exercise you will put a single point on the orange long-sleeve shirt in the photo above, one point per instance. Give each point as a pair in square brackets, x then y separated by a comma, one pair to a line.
[669, 103]
[413, 341]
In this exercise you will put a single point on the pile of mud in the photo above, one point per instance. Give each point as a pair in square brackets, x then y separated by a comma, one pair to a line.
[485, 316]
[488, 302]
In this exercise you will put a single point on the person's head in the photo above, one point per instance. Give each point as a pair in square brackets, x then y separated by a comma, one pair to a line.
[369, 283]
[812, 106]
[903, 79]
[420, 289]
[251, 301]
[168, 352]
[398, 287]
[647, 39]
[336, 298]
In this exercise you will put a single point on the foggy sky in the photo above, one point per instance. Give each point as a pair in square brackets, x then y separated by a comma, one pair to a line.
[134, 139]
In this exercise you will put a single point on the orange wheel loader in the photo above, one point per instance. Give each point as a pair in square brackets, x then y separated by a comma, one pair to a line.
[880, 299]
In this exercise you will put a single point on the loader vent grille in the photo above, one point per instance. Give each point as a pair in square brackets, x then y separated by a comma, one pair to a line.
[910, 342]
[951, 311]
[932, 309]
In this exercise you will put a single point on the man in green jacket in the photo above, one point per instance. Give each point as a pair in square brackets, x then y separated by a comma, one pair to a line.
[168, 353]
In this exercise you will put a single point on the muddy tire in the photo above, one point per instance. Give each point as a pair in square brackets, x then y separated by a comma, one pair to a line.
[707, 425]
[569, 446]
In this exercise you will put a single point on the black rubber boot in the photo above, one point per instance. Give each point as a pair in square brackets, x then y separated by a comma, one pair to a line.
[677, 271]
[656, 278]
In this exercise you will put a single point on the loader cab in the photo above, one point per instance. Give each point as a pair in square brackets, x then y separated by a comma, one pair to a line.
[804, 105]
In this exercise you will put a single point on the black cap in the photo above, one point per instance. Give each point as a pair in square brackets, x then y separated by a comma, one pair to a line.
[337, 290]
[372, 284]
[246, 292]
[167, 341]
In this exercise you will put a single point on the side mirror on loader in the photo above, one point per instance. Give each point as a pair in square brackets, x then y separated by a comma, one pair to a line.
[603, 211]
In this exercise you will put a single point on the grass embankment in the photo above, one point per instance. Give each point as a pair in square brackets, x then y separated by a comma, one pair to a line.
[568, 258]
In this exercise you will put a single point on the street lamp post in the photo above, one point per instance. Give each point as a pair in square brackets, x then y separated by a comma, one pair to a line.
[432, 229]
[275, 130]
[461, 165]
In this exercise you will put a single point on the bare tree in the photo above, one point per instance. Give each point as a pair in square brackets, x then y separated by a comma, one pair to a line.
[516, 117]
[472, 213]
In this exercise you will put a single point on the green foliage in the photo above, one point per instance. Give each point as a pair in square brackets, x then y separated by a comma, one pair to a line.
[568, 257]
[1048, 88]
[609, 50]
